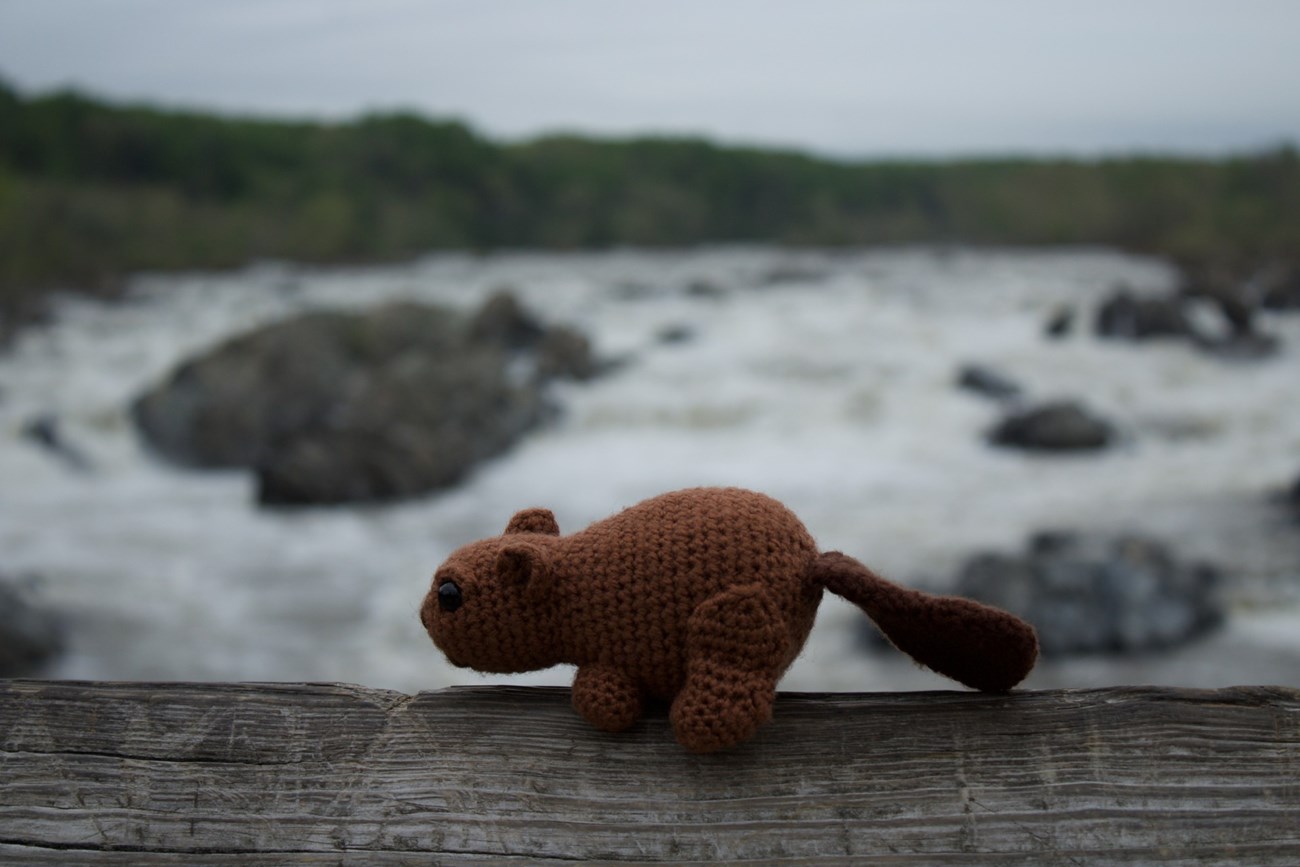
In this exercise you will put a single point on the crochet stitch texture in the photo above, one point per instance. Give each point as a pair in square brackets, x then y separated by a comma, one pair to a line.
[701, 597]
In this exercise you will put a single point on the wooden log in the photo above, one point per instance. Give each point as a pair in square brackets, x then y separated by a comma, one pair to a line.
[140, 773]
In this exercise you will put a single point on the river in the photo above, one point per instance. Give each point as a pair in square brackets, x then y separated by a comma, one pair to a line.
[825, 379]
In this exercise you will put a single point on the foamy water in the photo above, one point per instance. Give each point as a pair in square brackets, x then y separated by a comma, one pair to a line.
[831, 389]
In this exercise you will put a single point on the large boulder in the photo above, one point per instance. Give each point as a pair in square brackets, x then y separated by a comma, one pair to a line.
[230, 406]
[1095, 594]
[1056, 426]
[344, 407]
[30, 634]
[411, 426]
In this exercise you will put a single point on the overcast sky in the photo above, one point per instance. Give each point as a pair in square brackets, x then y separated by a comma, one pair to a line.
[844, 77]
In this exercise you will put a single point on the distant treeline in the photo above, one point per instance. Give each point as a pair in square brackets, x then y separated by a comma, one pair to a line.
[91, 191]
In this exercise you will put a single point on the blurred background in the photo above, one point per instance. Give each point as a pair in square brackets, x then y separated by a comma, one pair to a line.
[298, 297]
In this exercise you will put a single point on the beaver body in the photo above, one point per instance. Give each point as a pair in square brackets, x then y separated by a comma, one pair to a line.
[702, 597]
[637, 578]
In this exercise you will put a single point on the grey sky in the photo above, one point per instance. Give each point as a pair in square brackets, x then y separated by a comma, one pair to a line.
[864, 78]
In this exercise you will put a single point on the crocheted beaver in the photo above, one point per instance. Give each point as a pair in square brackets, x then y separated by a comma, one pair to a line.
[701, 597]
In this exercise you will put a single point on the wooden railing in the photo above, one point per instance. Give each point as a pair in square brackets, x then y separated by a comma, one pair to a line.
[189, 773]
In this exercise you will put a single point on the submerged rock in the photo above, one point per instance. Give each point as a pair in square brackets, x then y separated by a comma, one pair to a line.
[345, 407]
[786, 273]
[30, 635]
[1242, 347]
[1057, 426]
[671, 335]
[988, 382]
[44, 430]
[704, 289]
[1060, 323]
[1095, 594]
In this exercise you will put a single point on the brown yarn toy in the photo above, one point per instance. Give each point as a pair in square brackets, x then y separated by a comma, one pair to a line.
[701, 597]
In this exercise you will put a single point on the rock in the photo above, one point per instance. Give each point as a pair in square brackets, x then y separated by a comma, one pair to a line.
[412, 426]
[344, 407]
[1060, 323]
[30, 635]
[503, 321]
[674, 334]
[988, 382]
[1238, 313]
[1281, 292]
[792, 272]
[1058, 426]
[557, 352]
[1272, 285]
[226, 408]
[1242, 347]
[565, 353]
[1237, 295]
[705, 289]
[1127, 316]
[1095, 594]
[633, 290]
[1293, 496]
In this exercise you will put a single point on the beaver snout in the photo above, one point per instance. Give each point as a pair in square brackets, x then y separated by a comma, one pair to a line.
[436, 603]
[426, 613]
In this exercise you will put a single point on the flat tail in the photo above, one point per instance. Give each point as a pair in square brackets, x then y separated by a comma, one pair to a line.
[977, 645]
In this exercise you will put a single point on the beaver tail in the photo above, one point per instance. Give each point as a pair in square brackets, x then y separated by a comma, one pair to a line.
[974, 644]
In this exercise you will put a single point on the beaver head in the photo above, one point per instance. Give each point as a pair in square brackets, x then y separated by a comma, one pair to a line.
[491, 606]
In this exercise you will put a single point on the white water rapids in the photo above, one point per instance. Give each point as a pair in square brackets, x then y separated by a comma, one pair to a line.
[825, 379]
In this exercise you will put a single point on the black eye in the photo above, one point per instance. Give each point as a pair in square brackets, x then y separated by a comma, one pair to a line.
[449, 597]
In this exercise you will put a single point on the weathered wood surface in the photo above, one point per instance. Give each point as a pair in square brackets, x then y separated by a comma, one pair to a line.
[293, 774]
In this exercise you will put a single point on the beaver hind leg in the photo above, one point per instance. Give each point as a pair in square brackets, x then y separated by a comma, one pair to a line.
[736, 645]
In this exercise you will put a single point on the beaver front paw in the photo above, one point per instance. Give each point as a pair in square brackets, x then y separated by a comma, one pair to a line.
[606, 697]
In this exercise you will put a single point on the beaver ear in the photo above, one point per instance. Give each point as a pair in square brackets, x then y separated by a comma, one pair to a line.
[522, 564]
[533, 521]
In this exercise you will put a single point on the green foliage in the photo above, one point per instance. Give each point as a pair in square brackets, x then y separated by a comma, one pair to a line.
[90, 192]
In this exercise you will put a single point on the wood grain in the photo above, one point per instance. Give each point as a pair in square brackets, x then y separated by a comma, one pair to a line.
[324, 773]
